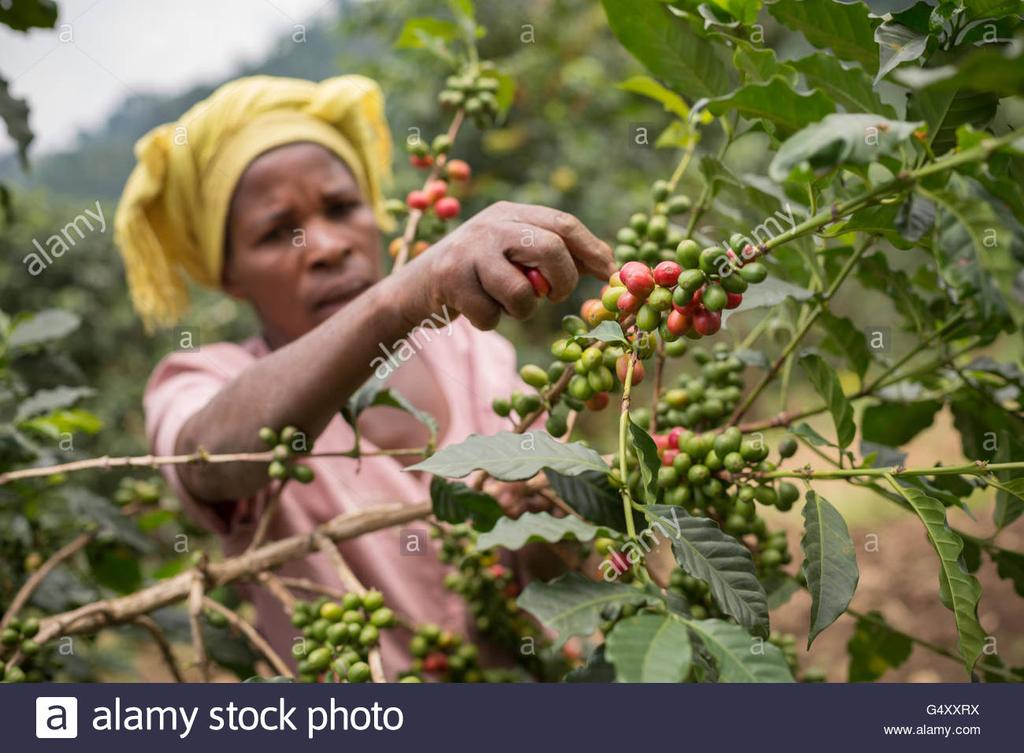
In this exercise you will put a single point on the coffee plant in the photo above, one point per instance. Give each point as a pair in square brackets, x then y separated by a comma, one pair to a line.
[884, 155]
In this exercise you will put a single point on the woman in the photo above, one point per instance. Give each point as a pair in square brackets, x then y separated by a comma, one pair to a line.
[271, 189]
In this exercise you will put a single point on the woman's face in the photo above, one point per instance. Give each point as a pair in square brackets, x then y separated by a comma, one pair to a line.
[302, 241]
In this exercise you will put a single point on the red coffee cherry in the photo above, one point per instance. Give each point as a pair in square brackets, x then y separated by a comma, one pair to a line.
[541, 286]
[435, 189]
[673, 437]
[660, 441]
[669, 456]
[422, 161]
[707, 322]
[678, 322]
[447, 207]
[628, 303]
[733, 300]
[417, 200]
[435, 663]
[457, 169]
[622, 365]
[598, 402]
[638, 278]
[667, 273]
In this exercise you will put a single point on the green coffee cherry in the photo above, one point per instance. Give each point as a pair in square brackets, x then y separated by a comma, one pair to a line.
[501, 407]
[678, 204]
[277, 470]
[534, 376]
[754, 272]
[268, 436]
[359, 672]
[574, 325]
[688, 254]
[712, 259]
[648, 318]
[714, 298]
[303, 474]
[787, 447]
[660, 190]
[373, 600]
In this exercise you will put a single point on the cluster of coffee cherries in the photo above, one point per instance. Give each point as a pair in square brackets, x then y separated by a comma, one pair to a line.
[434, 200]
[285, 446]
[443, 656]
[474, 90]
[682, 297]
[702, 401]
[337, 636]
[488, 587]
[19, 636]
[697, 594]
[613, 613]
[598, 369]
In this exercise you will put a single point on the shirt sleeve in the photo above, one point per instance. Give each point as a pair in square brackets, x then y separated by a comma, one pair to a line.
[181, 385]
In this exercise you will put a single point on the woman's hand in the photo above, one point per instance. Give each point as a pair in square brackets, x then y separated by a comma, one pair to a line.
[472, 271]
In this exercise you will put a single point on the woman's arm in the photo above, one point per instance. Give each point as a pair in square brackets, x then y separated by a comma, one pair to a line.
[307, 381]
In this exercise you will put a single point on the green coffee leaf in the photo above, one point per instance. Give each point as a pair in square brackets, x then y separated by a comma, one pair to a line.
[648, 87]
[647, 453]
[847, 85]
[456, 503]
[29, 14]
[841, 139]
[572, 604]
[47, 401]
[959, 590]
[669, 48]
[508, 456]
[844, 28]
[826, 384]
[649, 648]
[608, 332]
[704, 551]
[739, 656]
[374, 393]
[895, 424]
[592, 495]
[897, 45]
[43, 327]
[1010, 566]
[846, 339]
[537, 526]
[970, 243]
[776, 102]
[597, 669]
[875, 648]
[14, 112]
[830, 563]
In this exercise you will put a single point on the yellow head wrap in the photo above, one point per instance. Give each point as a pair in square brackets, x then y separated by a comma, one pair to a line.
[171, 219]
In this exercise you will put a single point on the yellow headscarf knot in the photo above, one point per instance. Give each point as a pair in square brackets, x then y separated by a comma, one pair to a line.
[170, 222]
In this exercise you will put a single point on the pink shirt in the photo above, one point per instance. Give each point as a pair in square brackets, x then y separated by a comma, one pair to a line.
[474, 367]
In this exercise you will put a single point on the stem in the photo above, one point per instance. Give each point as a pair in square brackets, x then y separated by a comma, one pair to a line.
[416, 215]
[200, 457]
[166, 652]
[28, 588]
[627, 499]
[898, 184]
[252, 635]
[921, 346]
[794, 341]
[977, 468]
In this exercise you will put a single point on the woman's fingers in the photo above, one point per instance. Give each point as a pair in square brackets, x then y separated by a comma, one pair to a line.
[502, 281]
[546, 251]
[594, 255]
